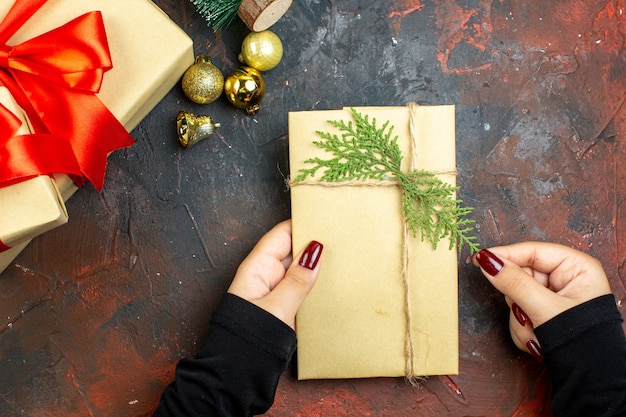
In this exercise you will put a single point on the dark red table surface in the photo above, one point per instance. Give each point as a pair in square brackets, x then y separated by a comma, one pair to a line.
[95, 314]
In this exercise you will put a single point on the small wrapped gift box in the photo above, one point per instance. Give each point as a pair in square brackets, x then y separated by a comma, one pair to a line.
[148, 54]
[385, 303]
[33, 200]
[29, 207]
[40, 200]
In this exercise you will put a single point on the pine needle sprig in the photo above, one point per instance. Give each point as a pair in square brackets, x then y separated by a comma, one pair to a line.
[365, 152]
[217, 13]
[361, 152]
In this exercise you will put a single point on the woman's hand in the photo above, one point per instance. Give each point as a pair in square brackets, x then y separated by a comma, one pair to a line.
[270, 278]
[540, 281]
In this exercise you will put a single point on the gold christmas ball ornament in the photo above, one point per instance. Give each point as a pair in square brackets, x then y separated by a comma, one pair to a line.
[261, 50]
[203, 82]
[192, 128]
[245, 88]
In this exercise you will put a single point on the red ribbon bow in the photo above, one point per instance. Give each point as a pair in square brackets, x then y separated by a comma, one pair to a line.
[54, 78]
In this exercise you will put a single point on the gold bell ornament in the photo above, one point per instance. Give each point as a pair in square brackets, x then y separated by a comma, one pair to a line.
[261, 50]
[245, 88]
[203, 82]
[192, 128]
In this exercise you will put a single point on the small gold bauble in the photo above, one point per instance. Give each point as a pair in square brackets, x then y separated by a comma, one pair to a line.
[203, 82]
[261, 50]
[245, 88]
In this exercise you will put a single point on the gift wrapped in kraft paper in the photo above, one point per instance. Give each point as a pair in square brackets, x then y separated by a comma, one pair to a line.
[129, 70]
[385, 303]
[33, 206]
[37, 200]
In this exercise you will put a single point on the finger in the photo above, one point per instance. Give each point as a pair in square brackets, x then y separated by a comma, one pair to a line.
[520, 334]
[287, 261]
[275, 243]
[525, 339]
[558, 266]
[540, 277]
[546, 257]
[507, 277]
[521, 327]
[265, 266]
[520, 315]
[537, 301]
[285, 299]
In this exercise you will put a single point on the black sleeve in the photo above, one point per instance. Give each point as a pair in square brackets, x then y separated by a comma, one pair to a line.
[585, 353]
[237, 370]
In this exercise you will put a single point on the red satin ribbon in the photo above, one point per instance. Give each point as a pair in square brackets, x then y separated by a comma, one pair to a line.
[54, 77]
[10, 123]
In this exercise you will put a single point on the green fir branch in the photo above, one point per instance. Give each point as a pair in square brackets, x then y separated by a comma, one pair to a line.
[365, 152]
[218, 13]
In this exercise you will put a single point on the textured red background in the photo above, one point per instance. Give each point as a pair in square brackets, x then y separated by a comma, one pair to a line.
[95, 314]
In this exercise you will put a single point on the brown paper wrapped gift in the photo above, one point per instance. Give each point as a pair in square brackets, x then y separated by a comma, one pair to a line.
[46, 214]
[360, 320]
[41, 201]
[30, 207]
[149, 54]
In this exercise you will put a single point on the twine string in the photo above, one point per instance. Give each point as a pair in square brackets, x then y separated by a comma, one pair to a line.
[409, 349]
[361, 183]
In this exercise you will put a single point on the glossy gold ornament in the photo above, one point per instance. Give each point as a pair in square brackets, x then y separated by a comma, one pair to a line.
[203, 82]
[192, 128]
[261, 50]
[245, 88]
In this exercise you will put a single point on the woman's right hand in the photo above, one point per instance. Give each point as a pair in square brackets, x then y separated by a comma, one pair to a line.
[540, 281]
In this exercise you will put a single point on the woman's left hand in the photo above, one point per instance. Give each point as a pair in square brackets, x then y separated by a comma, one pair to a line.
[271, 279]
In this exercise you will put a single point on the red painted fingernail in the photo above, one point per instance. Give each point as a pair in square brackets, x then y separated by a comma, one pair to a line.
[489, 262]
[311, 255]
[535, 350]
[519, 314]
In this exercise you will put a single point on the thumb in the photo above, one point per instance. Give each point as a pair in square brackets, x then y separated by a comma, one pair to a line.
[539, 302]
[285, 299]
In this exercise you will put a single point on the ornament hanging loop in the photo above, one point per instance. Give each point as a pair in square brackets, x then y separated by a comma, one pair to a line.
[192, 128]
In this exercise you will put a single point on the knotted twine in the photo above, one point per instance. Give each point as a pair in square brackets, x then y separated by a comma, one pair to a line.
[409, 350]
